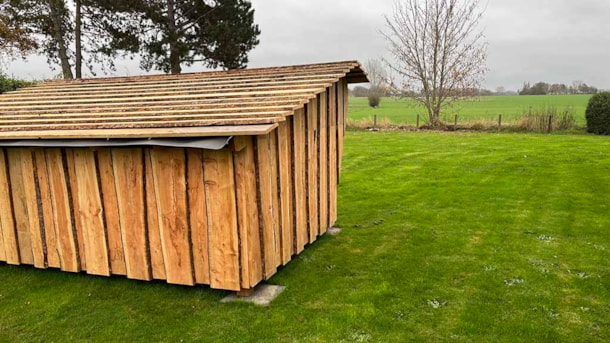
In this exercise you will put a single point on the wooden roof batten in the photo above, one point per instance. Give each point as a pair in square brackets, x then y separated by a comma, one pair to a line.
[207, 104]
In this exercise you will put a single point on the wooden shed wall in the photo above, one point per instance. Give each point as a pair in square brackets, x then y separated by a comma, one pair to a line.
[225, 218]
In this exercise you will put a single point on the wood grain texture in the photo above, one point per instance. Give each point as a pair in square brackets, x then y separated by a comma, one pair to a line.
[63, 220]
[90, 214]
[198, 215]
[268, 213]
[48, 224]
[19, 176]
[75, 207]
[275, 191]
[285, 191]
[108, 190]
[128, 169]
[332, 155]
[222, 216]
[251, 257]
[342, 93]
[152, 214]
[7, 220]
[169, 170]
[313, 200]
[324, 163]
[300, 180]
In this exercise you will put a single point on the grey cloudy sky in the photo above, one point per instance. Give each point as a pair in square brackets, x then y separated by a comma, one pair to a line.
[529, 40]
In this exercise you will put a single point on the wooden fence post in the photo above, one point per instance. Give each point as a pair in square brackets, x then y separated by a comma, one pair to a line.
[455, 123]
[550, 123]
[375, 121]
[417, 126]
[499, 123]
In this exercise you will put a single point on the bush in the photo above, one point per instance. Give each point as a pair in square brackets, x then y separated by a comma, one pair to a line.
[598, 114]
[374, 100]
[8, 84]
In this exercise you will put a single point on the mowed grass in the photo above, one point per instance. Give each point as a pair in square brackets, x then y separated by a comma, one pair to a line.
[405, 111]
[446, 237]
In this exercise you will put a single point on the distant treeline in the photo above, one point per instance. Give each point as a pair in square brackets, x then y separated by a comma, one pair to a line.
[540, 88]
[543, 88]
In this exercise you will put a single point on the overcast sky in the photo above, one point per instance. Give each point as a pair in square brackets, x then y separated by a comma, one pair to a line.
[529, 40]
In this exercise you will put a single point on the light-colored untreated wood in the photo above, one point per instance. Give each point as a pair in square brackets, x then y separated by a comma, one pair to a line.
[7, 220]
[152, 214]
[299, 161]
[243, 130]
[128, 169]
[332, 156]
[63, 219]
[198, 218]
[226, 218]
[247, 214]
[22, 209]
[268, 215]
[312, 170]
[116, 252]
[285, 193]
[51, 250]
[90, 214]
[324, 163]
[169, 170]
[222, 220]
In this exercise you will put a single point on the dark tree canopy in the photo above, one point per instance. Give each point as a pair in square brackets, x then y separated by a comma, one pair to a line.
[169, 34]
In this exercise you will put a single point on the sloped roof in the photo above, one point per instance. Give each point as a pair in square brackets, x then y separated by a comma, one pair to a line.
[237, 102]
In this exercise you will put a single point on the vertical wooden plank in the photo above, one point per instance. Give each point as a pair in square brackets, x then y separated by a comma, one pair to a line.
[323, 167]
[247, 215]
[222, 220]
[299, 165]
[276, 201]
[128, 168]
[341, 110]
[7, 220]
[198, 216]
[312, 170]
[111, 212]
[285, 190]
[73, 195]
[152, 214]
[42, 174]
[332, 154]
[90, 212]
[18, 170]
[268, 216]
[169, 170]
[63, 217]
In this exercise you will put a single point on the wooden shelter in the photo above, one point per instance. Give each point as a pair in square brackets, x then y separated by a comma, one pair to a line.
[213, 178]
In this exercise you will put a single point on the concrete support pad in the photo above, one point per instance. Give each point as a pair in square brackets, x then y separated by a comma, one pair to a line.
[263, 295]
[334, 231]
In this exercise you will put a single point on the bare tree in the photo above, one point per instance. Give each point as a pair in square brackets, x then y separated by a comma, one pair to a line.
[438, 51]
[377, 73]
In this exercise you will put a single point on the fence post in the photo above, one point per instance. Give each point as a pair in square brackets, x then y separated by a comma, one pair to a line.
[455, 123]
[375, 121]
[550, 123]
[417, 126]
[499, 122]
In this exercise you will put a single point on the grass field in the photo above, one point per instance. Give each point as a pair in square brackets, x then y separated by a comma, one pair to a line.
[404, 111]
[447, 237]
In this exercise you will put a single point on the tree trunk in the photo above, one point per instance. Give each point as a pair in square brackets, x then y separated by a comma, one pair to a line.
[56, 7]
[78, 64]
[174, 51]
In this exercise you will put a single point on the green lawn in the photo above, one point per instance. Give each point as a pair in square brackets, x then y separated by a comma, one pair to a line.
[404, 111]
[447, 237]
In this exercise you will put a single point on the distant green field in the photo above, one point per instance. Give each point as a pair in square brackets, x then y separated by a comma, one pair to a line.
[404, 111]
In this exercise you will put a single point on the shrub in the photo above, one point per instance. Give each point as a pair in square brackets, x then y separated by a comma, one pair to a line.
[598, 114]
[374, 100]
[8, 84]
